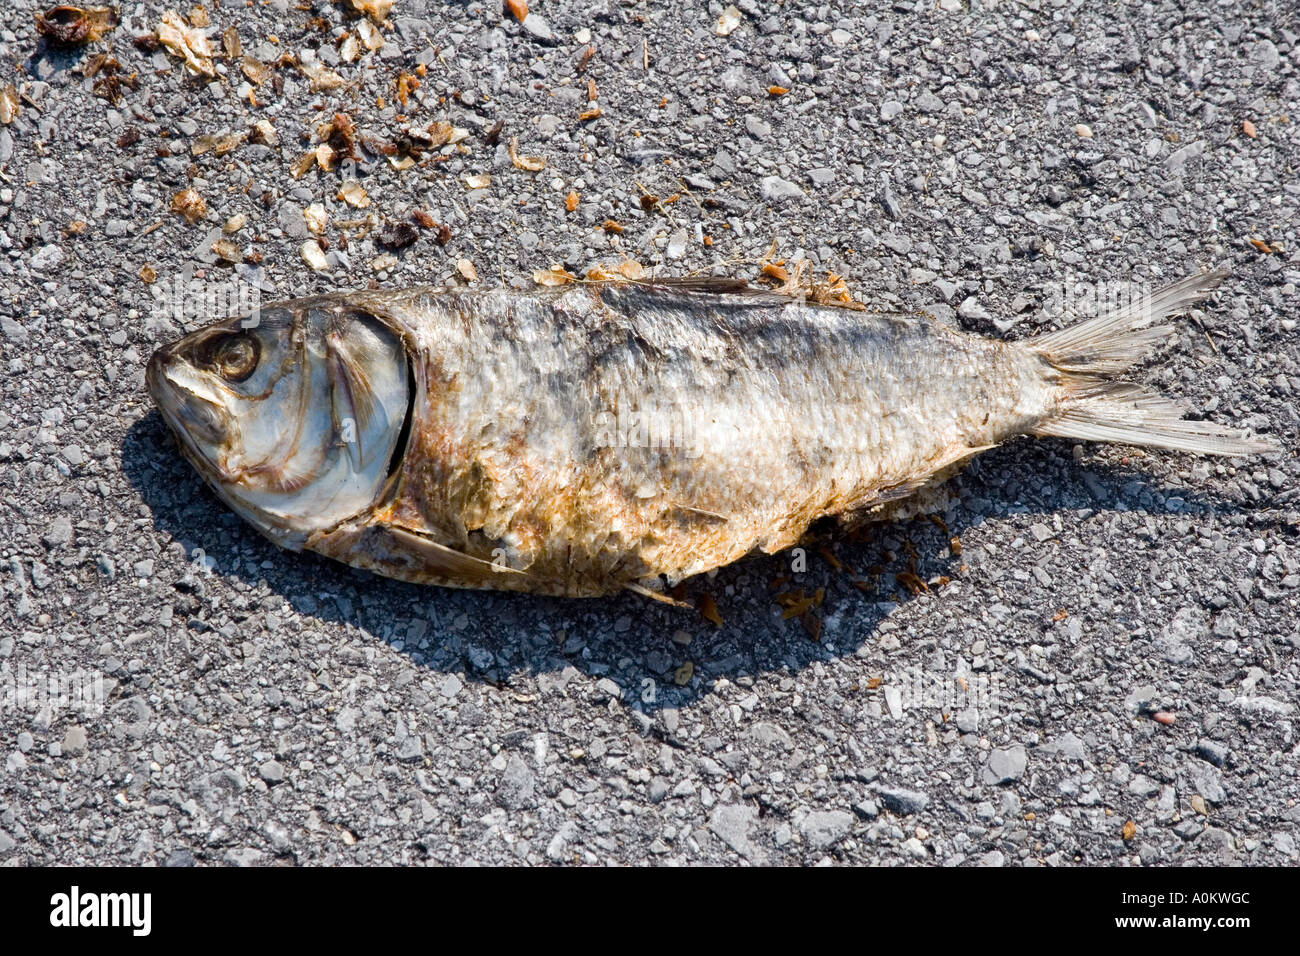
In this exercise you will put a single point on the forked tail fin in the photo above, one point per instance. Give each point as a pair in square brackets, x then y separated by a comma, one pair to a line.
[1095, 407]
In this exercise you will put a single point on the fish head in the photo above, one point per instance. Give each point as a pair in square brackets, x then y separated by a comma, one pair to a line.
[294, 415]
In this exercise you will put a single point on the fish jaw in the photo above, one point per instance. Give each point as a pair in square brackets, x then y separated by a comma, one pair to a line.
[189, 408]
[204, 430]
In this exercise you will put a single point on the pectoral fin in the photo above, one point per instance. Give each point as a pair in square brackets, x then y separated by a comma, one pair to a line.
[410, 556]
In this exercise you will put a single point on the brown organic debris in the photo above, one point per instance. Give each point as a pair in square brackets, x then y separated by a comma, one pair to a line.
[104, 68]
[407, 84]
[264, 133]
[555, 275]
[532, 164]
[340, 134]
[226, 250]
[397, 235]
[148, 274]
[66, 25]
[517, 9]
[254, 70]
[627, 269]
[303, 164]
[219, 144]
[709, 609]
[9, 108]
[189, 44]
[322, 78]
[467, 270]
[354, 194]
[230, 42]
[190, 204]
[371, 38]
[571, 200]
[376, 10]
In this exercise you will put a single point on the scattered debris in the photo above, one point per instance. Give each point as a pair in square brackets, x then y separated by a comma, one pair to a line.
[264, 133]
[218, 145]
[354, 194]
[322, 77]
[190, 205]
[709, 609]
[629, 269]
[491, 137]
[9, 108]
[314, 216]
[254, 70]
[517, 9]
[65, 25]
[226, 250]
[571, 200]
[313, 255]
[478, 181]
[728, 22]
[407, 84]
[148, 274]
[230, 42]
[189, 44]
[682, 676]
[467, 270]
[340, 134]
[234, 224]
[555, 275]
[531, 163]
[376, 10]
[371, 38]
[1248, 128]
[397, 235]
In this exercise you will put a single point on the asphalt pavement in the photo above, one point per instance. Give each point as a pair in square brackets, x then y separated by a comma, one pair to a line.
[1090, 658]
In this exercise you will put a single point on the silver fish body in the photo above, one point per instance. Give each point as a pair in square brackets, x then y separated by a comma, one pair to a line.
[601, 436]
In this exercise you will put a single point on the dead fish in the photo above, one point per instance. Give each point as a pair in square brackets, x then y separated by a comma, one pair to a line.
[593, 437]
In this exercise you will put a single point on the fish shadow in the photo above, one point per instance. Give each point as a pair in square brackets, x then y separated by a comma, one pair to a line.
[637, 650]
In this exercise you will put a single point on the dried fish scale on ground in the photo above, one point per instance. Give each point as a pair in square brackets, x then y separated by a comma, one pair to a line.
[587, 438]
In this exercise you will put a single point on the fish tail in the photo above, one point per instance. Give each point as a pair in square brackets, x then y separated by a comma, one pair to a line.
[1096, 407]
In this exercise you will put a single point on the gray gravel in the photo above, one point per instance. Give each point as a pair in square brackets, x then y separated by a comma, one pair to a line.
[262, 708]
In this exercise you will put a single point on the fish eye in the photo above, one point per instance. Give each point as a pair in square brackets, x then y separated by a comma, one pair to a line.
[235, 357]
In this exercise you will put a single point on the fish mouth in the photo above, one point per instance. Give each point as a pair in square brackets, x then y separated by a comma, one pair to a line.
[199, 422]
